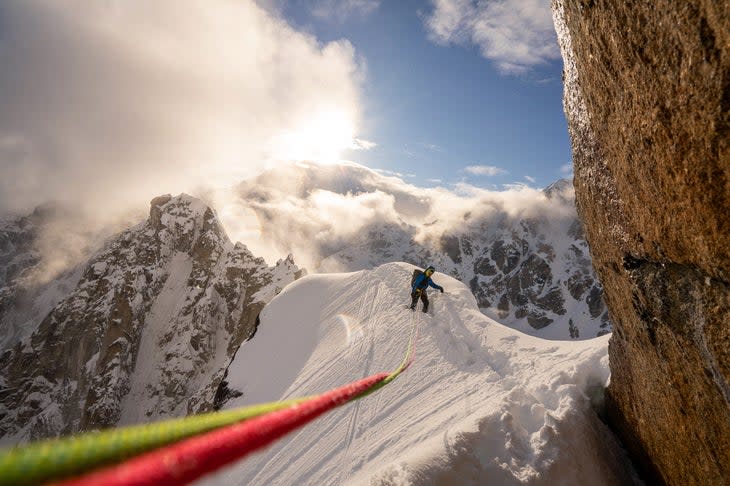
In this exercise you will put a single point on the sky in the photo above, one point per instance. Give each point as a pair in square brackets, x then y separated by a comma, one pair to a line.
[107, 103]
[442, 93]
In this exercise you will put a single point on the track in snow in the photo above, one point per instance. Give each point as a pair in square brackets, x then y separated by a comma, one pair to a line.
[481, 403]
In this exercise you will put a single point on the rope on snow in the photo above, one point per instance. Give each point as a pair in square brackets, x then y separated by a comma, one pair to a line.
[186, 448]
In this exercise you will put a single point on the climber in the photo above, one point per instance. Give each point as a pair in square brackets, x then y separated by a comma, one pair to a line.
[419, 283]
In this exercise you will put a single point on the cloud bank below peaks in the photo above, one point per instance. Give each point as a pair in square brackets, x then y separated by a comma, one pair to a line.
[315, 211]
[109, 104]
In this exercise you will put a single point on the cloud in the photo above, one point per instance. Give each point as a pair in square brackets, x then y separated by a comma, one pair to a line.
[362, 144]
[389, 173]
[108, 104]
[342, 10]
[566, 169]
[484, 170]
[530, 179]
[516, 35]
[514, 186]
[432, 147]
[316, 211]
[420, 149]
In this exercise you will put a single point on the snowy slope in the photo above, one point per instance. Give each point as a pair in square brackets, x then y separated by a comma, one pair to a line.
[482, 404]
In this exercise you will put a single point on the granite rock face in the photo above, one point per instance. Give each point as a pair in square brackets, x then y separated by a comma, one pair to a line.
[145, 331]
[647, 96]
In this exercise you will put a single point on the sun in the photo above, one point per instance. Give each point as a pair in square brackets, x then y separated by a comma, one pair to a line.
[320, 137]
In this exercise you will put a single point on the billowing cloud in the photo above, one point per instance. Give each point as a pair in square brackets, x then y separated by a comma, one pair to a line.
[108, 104]
[516, 35]
[316, 212]
[484, 170]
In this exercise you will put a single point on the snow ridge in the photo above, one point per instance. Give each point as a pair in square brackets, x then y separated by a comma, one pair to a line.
[481, 404]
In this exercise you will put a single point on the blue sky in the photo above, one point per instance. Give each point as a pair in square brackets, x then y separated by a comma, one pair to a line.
[435, 108]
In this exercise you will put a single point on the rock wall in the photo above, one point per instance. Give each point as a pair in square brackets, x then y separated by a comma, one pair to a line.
[647, 96]
[146, 333]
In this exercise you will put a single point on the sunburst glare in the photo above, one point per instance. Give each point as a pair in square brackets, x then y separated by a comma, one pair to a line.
[320, 137]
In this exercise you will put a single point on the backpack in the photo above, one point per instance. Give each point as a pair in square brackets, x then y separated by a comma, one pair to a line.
[416, 273]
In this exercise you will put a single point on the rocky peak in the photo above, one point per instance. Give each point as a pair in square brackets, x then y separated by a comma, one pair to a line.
[156, 210]
[147, 331]
[562, 188]
[17, 250]
[22, 297]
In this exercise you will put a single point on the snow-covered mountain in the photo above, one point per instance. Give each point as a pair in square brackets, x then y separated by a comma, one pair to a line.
[144, 329]
[522, 252]
[36, 253]
[482, 403]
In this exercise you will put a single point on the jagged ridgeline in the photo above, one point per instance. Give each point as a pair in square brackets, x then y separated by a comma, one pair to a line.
[144, 329]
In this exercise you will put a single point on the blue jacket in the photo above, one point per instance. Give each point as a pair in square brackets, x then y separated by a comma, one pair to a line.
[422, 281]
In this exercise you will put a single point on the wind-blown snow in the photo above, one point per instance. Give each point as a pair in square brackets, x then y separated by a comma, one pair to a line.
[482, 403]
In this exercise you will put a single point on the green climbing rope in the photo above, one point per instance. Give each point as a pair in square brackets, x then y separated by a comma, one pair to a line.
[55, 458]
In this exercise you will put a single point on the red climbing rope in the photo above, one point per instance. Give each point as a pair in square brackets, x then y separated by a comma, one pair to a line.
[190, 459]
[184, 460]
